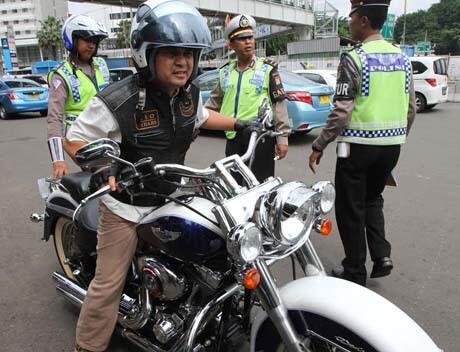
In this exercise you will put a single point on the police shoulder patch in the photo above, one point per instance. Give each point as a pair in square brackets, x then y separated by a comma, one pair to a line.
[270, 62]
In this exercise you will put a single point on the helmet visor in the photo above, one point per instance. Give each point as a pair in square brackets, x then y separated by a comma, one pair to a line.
[174, 23]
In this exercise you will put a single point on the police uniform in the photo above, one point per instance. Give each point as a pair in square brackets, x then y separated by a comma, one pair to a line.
[374, 107]
[71, 88]
[240, 93]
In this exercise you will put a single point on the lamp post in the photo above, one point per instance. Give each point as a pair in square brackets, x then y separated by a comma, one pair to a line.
[403, 42]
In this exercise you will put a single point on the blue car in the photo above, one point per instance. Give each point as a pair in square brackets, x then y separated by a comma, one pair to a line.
[19, 95]
[308, 103]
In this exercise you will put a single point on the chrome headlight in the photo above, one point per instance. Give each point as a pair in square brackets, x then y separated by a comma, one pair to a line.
[244, 242]
[286, 212]
[326, 192]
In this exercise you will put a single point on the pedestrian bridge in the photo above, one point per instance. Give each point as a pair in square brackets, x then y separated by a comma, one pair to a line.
[292, 13]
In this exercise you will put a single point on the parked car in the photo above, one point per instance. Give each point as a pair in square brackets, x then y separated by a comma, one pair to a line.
[19, 95]
[308, 103]
[40, 79]
[430, 81]
[117, 74]
[328, 77]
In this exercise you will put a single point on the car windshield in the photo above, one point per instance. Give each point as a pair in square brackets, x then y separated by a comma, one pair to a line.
[21, 84]
[38, 79]
[296, 80]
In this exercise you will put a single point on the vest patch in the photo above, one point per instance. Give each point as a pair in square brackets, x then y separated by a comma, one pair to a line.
[186, 106]
[147, 119]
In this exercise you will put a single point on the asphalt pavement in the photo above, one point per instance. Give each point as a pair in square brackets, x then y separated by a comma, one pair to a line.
[422, 221]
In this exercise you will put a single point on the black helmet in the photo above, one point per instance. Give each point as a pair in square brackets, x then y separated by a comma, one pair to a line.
[166, 23]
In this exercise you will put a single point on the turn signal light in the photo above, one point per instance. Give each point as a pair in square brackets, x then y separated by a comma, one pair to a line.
[251, 279]
[325, 227]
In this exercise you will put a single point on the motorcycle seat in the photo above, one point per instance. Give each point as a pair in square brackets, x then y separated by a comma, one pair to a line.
[78, 184]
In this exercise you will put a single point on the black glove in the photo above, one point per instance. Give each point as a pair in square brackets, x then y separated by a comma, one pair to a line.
[248, 126]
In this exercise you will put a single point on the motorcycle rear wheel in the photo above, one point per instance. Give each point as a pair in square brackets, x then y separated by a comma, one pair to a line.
[64, 244]
[324, 335]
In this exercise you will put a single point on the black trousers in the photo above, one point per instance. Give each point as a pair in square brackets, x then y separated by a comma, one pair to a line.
[360, 180]
[264, 165]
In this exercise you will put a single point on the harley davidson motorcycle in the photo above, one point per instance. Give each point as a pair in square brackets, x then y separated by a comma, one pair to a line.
[200, 279]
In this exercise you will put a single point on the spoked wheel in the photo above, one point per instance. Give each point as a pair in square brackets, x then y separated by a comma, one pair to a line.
[65, 245]
[320, 334]
[3, 113]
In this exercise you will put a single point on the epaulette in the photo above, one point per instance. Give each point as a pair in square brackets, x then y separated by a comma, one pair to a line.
[270, 62]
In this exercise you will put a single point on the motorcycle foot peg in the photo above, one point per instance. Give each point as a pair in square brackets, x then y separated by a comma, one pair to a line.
[35, 217]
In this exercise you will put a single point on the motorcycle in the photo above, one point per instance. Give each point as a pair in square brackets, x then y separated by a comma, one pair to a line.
[200, 279]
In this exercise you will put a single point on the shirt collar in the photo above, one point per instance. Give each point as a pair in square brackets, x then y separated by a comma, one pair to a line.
[373, 37]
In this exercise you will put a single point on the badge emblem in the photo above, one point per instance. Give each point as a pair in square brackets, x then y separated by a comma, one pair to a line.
[147, 119]
[244, 22]
[186, 106]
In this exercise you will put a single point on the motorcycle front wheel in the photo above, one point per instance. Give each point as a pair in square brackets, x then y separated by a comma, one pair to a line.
[65, 245]
[319, 334]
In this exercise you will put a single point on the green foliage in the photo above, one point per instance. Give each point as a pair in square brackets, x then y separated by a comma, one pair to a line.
[440, 24]
[278, 45]
[123, 35]
[49, 35]
[344, 29]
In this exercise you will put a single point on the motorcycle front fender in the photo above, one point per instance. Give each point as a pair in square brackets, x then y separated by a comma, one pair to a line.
[367, 314]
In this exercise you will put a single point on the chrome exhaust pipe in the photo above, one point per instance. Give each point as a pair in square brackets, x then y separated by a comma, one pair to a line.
[71, 291]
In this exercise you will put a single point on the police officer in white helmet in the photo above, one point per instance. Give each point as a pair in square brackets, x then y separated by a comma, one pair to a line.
[74, 82]
[151, 114]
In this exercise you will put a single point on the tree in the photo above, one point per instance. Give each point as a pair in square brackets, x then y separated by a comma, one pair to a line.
[440, 24]
[343, 28]
[123, 34]
[278, 44]
[49, 35]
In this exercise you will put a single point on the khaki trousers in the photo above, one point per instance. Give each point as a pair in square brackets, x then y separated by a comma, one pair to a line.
[116, 245]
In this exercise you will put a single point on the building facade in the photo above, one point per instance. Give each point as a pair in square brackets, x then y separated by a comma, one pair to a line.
[22, 18]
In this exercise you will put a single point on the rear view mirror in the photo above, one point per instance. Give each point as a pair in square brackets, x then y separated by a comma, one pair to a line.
[97, 154]
[265, 114]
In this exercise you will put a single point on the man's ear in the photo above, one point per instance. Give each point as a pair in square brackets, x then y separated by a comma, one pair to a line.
[365, 21]
[229, 44]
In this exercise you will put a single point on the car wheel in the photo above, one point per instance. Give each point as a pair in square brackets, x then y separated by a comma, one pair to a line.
[420, 101]
[3, 113]
[43, 113]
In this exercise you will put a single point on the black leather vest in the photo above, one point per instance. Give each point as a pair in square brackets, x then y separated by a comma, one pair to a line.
[163, 131]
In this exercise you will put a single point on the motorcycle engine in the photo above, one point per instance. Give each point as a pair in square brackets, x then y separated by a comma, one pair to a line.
[164, 282]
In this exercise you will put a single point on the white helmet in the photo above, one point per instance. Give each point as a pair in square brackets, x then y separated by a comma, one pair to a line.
[163, 23]
[81, 26]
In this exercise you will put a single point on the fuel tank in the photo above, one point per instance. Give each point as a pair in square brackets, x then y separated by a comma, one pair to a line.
[183, 233]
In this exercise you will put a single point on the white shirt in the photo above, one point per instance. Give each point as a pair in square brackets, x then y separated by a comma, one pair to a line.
[97, 121]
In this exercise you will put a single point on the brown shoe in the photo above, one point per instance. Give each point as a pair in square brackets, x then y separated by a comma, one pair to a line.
[80, 349]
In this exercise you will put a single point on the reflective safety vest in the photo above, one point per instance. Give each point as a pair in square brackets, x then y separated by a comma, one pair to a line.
[81, 88]
[381, 105]
[244, 91]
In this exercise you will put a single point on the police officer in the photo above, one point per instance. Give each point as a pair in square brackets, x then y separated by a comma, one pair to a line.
[151, 114]
[243, 84]
[374, 107]
[74, 82]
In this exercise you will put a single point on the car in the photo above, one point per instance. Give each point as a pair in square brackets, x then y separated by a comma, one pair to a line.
[119, 73]
[430, 81]
[18, 95]
[40, 79]
[328, 77]
[308, 103]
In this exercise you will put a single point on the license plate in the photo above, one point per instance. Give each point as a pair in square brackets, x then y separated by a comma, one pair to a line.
[324, 99]
[34, 96]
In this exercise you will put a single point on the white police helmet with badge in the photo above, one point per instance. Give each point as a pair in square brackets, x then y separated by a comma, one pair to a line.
[240, 26]
[81, 26]
[167, 23]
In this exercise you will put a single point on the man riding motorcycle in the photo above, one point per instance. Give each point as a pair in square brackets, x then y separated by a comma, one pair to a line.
[151, 114]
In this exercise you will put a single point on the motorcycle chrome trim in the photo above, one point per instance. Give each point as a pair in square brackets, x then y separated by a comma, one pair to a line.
[100, 192]
[34, 217]
[137, 319]
[271, 301]
[197, 321]
[307, 257]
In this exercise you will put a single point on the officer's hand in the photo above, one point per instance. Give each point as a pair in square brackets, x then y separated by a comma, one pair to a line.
[281, 151]
[60, 169]
[315, 158]
[247, 126]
